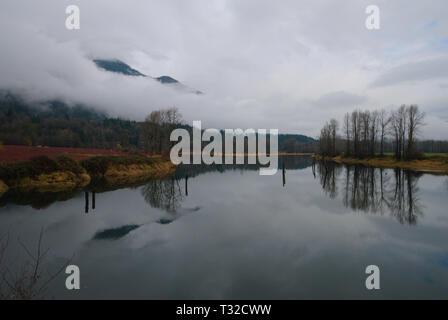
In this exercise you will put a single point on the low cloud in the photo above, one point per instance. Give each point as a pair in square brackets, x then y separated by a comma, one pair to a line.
[414, 72]
[260, 64]
[340, 99]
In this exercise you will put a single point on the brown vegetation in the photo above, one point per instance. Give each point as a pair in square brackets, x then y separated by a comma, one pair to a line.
[64, 174]
[3, 188]
[30, 283]
[125, 174]
[433, 165]
[53, 182]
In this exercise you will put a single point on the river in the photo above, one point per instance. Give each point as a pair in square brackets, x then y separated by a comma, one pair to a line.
[226, 232]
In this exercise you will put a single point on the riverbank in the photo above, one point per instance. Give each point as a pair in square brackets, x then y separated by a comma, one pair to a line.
[58, 181]
[62, 174]
[122, 175]
[3, 188]
[430, 165]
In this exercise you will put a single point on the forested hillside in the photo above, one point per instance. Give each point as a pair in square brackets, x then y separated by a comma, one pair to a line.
[56, 124]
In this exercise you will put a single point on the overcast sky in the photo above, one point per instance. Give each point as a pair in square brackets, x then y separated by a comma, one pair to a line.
[285, 64]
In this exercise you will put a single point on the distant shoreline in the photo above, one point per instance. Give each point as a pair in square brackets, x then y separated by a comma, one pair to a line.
[436, 165]
[308, 154]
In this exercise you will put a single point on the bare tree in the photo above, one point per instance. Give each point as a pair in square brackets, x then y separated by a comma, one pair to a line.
[29, 282]
[333, 129]
[403, 129]
[347, 129]
[374, 122]
[384, 120]
[152, 131]
[324, 140]
[355, 118]
[415, 122]
[328, 138]
[398, 126]
[362, 129]
[365, 122]
[173, 116]
[157, 129]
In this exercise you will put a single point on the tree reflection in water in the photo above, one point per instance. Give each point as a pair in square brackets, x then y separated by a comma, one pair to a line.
[163, 194]
[328, 174]
[167, 194]
[374, 190]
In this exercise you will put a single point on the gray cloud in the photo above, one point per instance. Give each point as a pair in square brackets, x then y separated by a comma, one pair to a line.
[414, 72]
[261, 64]
[340, 99]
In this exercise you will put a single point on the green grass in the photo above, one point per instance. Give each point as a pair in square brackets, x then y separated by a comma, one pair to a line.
[386, 154]
[436, 155]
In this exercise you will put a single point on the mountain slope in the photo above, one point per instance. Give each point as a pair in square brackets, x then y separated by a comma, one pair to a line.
[166, 79]
[118, 66]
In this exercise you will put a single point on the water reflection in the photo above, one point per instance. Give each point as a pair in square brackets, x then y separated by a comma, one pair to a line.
[283, 173]
[43, 200]
[34, 199]
[163, 194]
[245, 236]
[286, 163]
[374, 190]
[114, 233]
[86, 201]
[328, 173]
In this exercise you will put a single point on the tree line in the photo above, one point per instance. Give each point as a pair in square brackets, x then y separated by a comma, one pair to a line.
[156, 130]
[56, 124]
[368, 133]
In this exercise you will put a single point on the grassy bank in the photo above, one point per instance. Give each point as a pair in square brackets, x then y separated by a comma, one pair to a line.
[3, 188]
[45, 174]
[63, 173]
[433, 163]
[122, 170]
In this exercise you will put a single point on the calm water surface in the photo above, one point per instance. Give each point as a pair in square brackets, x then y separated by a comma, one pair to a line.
[227, 232]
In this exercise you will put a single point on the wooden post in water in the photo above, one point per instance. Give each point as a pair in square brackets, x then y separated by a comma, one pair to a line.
[87, 202]
[186, 186]
[283, 172]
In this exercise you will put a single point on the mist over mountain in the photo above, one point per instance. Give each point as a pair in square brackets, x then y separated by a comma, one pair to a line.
[13, 103]
[166, 79]
[118, 66]
[280, 68]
